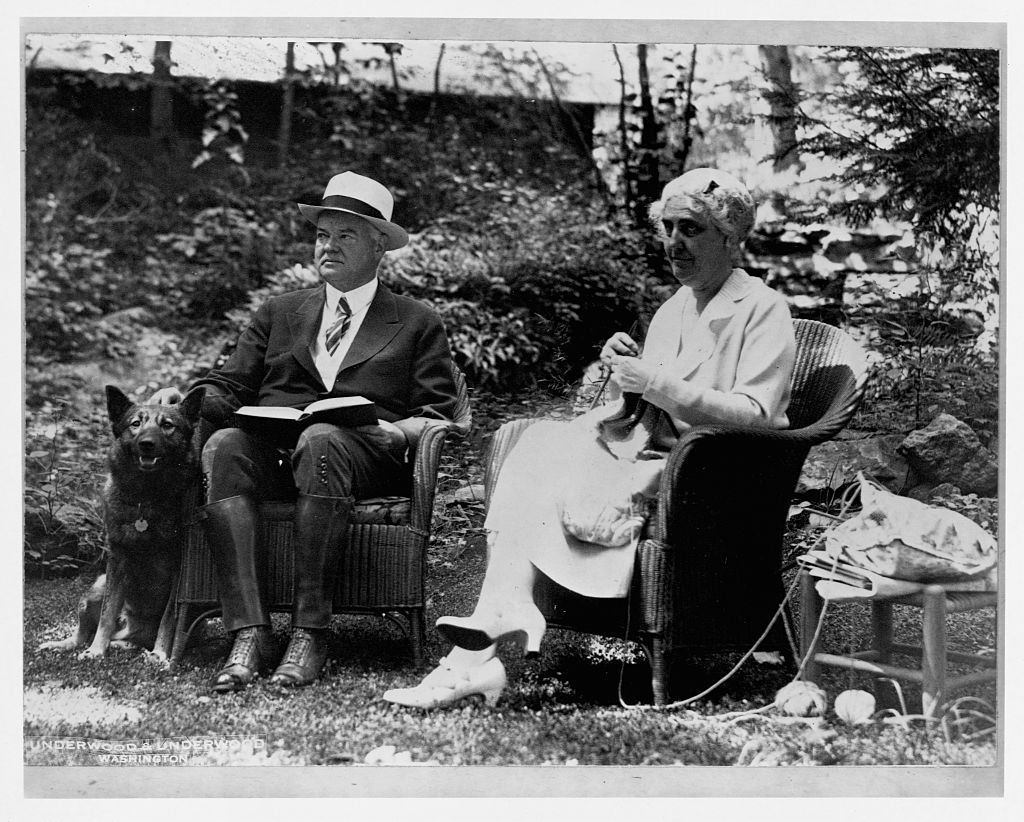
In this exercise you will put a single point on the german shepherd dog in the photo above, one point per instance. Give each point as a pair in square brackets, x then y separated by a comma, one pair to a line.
[151, 464]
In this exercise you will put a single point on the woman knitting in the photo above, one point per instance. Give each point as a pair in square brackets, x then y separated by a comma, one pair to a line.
[569, 499]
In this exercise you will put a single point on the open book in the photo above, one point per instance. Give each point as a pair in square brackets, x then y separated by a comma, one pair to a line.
[284, 424]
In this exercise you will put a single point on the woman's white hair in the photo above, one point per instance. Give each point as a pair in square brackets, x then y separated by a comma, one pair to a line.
[716, 195]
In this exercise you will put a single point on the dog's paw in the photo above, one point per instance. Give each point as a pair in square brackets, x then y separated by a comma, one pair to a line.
[92, 652]
[58, 645]
[123, 644]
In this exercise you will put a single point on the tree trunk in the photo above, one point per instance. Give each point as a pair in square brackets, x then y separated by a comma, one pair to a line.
[626, 161]
[392, 50]
[399, 93]
[432, 112]
[689, 115]
[781, 95]
[585, 148]
[394, 72]
[437, 70]
[648, 181]
[284, 132]
[161, 103]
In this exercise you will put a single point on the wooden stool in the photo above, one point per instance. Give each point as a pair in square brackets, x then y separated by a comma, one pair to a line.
[935, 603]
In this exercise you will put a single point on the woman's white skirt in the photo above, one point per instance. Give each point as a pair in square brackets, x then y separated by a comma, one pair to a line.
[555, 465]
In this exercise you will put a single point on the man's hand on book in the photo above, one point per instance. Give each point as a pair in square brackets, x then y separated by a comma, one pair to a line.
[386, 436]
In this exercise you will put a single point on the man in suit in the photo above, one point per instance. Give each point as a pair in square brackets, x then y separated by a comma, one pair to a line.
[348, 336]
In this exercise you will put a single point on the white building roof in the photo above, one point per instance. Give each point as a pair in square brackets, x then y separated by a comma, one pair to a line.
[590, 72]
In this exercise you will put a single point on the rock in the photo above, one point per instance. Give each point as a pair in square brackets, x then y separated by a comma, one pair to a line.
[928, 492]
[469, 493]
[983, 511]
[835, 464]
[944, 489]
[922, 492]
[854, 434]
[947, 450]
[133, 314]
[980, 475]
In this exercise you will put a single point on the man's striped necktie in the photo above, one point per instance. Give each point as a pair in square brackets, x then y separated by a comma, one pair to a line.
[340, 325]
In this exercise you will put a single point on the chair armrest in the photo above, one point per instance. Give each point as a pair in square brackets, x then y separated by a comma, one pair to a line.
[426, 464]
[504, 439]
[733, 475]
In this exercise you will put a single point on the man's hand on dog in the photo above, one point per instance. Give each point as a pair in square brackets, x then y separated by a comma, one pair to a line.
[166, 396]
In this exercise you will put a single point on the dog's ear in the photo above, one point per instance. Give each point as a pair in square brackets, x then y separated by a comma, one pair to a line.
[192, 404]
[117, 406]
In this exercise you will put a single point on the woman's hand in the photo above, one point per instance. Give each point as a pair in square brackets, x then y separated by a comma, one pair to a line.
[630, 373]
[621, 344]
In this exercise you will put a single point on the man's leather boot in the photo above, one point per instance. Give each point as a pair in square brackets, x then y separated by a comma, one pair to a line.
[232, 532]
[318, 536]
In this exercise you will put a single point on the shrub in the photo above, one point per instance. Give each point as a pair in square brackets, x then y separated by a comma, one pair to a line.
[63, 523]
[73, 287]
[63, 291]
[530, 283]
[227, 253]
[926, 362]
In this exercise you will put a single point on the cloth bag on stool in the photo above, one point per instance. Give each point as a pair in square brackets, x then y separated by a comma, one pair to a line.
[903, 538]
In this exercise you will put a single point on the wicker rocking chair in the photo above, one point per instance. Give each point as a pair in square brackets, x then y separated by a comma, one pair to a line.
[383, 564]
[707, 572]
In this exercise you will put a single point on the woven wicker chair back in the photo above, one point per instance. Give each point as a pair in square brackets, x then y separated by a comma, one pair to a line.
[463, 416]
[829, 377]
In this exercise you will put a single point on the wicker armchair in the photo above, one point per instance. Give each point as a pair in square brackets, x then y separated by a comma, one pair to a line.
[383, 566]
[707, 571]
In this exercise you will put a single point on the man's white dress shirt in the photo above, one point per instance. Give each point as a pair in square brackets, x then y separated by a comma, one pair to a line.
[359, 300]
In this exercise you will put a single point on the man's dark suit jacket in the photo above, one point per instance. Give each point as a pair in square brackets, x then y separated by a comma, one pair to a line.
[399, 359]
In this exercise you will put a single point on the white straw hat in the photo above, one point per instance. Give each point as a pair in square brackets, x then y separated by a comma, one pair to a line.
[355, 194]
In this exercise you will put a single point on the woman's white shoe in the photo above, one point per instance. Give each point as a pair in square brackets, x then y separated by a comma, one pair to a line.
[524, 622]
[446, 686]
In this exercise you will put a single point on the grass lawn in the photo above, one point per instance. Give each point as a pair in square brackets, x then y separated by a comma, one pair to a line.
[561, 709]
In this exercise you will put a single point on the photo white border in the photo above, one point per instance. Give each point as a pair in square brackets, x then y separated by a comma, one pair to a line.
[785, 25]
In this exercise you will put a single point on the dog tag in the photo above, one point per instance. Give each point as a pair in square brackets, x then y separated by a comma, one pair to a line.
[141, 525]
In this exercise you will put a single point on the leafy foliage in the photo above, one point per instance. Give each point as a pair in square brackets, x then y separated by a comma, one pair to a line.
[551, 279]
[63, 523]
[654, 133]
[165, 201]
[352, 109]
[67, 290]
[917, 137]
[921, 132]
[225, 255]
[926, 364]
[223, 132]
[97, 239]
